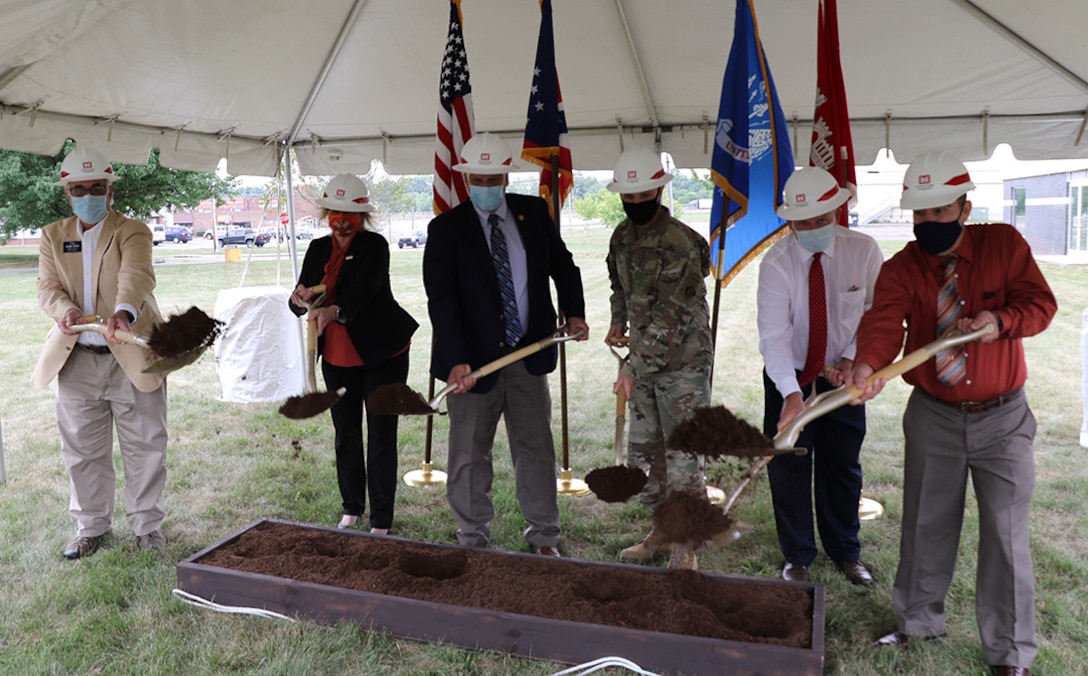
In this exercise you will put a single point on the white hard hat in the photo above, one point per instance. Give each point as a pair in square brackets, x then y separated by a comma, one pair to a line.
[811, 192]
[638, 170]
[486, 154]
[85, 164]
[346, 193]
[934, 179]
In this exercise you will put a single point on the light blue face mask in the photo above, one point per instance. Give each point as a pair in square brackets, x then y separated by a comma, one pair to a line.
[90, 208]
[818, 239]
[486, 197]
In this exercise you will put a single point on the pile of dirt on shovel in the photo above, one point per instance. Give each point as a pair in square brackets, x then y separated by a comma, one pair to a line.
[716, 432]
[685, 518]
[184, 333]
[616, 484]
[397, 399]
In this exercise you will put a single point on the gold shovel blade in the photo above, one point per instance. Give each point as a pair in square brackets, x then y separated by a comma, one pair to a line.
[171, 364]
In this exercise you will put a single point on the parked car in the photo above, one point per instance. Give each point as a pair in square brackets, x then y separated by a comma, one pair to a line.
[240, 236]
[303, 234]
[178, 233]
[413, 240]
[158, 233]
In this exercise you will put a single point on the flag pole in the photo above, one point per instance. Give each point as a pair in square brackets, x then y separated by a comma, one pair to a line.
[427, 475]
[567, 484]
[714, 314]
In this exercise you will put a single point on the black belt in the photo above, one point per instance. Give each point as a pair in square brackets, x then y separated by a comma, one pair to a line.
[977, 406]
[97, 349]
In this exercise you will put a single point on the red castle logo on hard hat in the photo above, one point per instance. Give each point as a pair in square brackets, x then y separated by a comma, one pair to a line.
[632, 175]
[801, 199]
[88, 165]
[340, 192]
[485, 157]
[924, 179]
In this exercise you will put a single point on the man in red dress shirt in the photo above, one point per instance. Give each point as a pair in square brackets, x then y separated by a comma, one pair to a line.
[968, 414]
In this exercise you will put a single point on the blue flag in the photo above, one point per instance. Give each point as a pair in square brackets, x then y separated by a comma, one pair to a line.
[752, 156]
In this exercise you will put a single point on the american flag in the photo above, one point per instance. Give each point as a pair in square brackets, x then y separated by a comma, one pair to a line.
[546, 126]
[455, 118]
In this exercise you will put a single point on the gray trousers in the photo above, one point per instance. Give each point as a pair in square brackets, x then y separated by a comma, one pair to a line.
[94, 396]
[525, 403]
[995, 447]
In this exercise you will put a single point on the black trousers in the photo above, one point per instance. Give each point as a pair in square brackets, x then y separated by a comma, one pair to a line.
[381, 447]
[830, 471]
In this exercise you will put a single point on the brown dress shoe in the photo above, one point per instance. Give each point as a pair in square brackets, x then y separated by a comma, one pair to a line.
[83, 545]
[856, 572]
[795, 573]
[1007, 670]
[546, 550]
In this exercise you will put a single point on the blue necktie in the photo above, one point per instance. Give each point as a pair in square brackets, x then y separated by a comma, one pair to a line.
[501, 257]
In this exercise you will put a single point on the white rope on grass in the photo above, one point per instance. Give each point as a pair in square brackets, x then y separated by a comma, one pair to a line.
[201, 602]
[603, 663]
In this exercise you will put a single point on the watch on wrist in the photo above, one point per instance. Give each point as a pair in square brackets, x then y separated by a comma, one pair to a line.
[340, 314]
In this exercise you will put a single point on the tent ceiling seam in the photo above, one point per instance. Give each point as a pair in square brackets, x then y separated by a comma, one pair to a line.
[651, 109]
[1012, 36]
[326, 67]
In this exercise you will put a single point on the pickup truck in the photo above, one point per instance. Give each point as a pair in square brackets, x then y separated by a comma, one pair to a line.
[240, 236]
[413, 240]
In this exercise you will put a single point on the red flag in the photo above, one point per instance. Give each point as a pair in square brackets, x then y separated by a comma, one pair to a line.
[832, 145]
[455, 118]
[546, 126]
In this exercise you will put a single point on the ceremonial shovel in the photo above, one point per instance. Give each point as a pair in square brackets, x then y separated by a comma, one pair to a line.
[162, 366]
[311, 402]
[829, 401]
[398, 399]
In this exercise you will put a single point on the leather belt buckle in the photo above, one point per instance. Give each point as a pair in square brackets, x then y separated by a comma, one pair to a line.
[96, 349]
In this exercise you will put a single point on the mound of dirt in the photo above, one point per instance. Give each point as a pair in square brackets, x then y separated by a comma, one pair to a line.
[716, 432]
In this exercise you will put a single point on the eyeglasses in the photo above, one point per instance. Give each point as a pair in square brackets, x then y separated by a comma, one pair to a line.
[82, 191]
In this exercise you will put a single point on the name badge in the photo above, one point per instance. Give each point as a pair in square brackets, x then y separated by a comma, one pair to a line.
[73, 247]
[348, 258]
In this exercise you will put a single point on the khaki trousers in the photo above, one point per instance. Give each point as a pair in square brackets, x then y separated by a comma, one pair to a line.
[93, 397]
[995, 448]
[525, 402]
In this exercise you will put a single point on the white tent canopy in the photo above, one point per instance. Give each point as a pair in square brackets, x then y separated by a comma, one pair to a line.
[348, 81]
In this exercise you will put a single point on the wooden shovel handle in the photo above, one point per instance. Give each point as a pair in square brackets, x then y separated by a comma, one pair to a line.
[95, 323]
[311, 355]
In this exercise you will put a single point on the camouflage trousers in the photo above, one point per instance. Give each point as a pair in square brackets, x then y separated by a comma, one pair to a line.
[660, 402]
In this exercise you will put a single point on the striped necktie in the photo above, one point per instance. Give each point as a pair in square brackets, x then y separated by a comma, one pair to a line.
[500, 255]
[951, 363]
[817, 323]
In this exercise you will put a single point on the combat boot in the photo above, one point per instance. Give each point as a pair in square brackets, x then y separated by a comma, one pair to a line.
[683, 558]
[645, 549]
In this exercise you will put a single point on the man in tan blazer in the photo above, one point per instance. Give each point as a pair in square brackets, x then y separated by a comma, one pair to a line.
[98, 262]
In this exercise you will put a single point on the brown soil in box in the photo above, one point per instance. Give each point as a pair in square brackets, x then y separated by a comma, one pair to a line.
[678, 602]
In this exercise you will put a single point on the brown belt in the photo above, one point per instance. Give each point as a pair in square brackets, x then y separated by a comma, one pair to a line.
[977, 406]
[97, 349]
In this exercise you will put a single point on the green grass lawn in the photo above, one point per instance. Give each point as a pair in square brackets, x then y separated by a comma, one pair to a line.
[231, 464]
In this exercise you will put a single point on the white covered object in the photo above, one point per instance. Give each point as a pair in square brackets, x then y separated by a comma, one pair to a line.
[259, 354]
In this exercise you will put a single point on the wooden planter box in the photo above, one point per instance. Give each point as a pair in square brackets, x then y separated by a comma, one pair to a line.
[524, 635]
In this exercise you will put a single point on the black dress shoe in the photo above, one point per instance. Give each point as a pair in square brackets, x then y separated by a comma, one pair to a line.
[898, 638]
[1006, 670]
[795, 573]
[856, 572]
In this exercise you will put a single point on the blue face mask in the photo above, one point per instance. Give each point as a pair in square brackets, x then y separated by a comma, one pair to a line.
[90, 208]
[818, 239]
[486, 197]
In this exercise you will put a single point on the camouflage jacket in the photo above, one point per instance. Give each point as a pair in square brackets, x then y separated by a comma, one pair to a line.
[658, 274]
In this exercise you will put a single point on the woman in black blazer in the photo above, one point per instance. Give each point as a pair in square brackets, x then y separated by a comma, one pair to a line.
[364, 336]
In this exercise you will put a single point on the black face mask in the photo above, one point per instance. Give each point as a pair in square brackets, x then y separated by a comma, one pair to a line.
[935, 237]
[641, 212]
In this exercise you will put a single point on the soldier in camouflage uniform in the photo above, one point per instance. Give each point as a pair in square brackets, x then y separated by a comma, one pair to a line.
[657, 267]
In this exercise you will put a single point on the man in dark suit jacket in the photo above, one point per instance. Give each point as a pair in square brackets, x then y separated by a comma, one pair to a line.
[486, 270]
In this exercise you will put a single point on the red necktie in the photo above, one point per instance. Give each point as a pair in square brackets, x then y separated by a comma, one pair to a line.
[817, 323]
